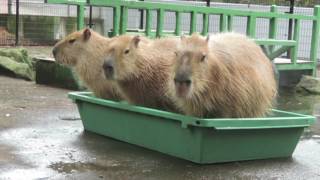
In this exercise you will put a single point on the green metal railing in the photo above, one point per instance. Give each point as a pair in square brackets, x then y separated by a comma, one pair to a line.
[120, 20]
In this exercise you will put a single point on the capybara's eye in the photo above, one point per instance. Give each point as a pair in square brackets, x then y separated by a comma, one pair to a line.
[126, 51]
[71, 41]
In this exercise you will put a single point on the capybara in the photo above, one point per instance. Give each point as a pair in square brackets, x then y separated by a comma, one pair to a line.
[141, 68]
[224, 76]
[84, 51]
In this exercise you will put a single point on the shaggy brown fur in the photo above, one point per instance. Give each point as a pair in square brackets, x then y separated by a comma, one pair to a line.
[84, 51]
[141, 69]
[226, 76]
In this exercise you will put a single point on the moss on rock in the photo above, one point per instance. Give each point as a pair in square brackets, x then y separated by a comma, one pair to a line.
[20, 69]
[309, 84]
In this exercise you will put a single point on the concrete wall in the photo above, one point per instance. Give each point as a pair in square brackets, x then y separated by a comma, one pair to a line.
[3, 7]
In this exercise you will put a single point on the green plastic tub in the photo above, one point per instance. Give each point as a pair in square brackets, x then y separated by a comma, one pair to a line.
[198, 140]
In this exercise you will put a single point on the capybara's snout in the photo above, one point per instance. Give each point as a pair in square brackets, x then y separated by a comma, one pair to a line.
[108, 68]
[182, 81]
[181, 78]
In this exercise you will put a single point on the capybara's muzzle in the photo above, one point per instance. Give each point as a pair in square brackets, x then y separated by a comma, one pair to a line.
[182, 78]
[108, 68]
[182, 82]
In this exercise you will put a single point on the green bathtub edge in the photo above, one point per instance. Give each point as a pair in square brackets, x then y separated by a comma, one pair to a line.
[210, 141]
[293, 119]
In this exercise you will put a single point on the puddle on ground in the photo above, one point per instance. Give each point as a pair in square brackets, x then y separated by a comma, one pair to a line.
[72, 167]
[69, 118]
[26, 174]
[289, 100]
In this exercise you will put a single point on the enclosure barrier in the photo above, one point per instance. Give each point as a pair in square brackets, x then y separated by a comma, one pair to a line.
[120, 20]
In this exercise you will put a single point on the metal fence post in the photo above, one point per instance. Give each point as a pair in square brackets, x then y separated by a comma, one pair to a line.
[9, 6]
[123, 20]
[206, 18]
[148, 22]
[141, 17]
[208, 3]
[315, 38]
[116, 20]
[273, 22]
[160, 17]
[90, 17]
[80, 17]
[291, 11]
[17, 22]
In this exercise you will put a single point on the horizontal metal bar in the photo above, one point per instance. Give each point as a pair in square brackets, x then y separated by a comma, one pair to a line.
[298, 66]
[199, 9]
[275, 42]
[182, 8]
[74, 2]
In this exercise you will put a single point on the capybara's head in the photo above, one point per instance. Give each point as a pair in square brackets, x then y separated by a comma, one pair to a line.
[191, 65]
[119, 63]
[68, 50]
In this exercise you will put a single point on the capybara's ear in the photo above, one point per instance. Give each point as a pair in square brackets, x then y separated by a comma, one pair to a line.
[136, 40]
[86, 34]
[208, 38]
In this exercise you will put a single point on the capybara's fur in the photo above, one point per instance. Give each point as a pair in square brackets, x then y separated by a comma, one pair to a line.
[224, 76]
[84, 51]
[141, 69]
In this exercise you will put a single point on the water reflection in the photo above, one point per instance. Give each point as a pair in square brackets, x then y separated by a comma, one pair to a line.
[289, 100]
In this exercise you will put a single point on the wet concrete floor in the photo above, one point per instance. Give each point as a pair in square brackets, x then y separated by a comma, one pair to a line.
[41, 137]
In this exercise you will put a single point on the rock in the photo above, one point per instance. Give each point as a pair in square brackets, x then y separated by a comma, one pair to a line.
[18, 54]
[51, 73]
[17, 61]
[22, 70]
[309, 84]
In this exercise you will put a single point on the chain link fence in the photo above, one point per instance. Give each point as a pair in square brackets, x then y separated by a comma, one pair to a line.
[44, 24]
[298, 3]
[37, 23]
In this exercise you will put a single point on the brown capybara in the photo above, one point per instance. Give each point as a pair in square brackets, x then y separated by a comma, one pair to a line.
[224, 76]
[140, 67]
[84, 51]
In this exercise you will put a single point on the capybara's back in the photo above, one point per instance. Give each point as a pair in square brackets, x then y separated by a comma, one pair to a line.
[226, 75]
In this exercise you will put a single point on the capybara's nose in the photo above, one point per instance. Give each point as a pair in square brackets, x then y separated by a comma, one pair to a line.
[181, 78]
[54, 51]
[108, 68]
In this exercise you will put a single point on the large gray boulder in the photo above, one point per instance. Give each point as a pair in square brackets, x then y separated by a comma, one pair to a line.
[309, 84]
